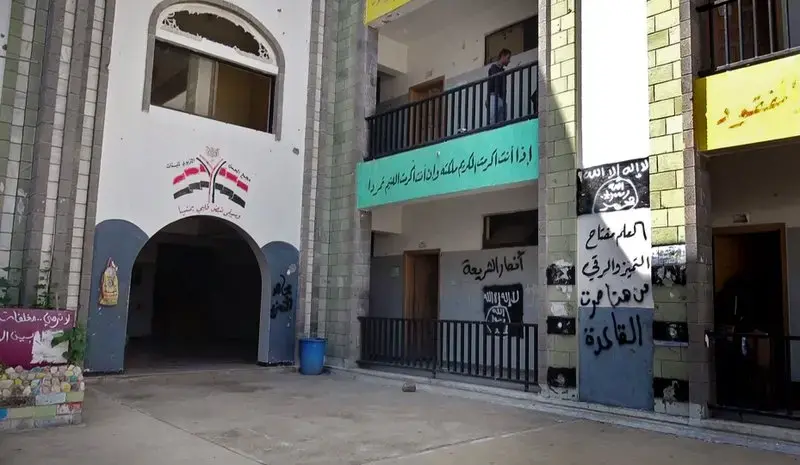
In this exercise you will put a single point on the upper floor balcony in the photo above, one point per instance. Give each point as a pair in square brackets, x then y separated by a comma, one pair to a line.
[443, 124]
[748, 89]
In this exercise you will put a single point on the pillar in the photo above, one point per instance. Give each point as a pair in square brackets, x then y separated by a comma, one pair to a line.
[613, 268]
[558, 356]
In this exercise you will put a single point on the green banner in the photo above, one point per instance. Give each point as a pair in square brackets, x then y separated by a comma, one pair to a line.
[506, 155]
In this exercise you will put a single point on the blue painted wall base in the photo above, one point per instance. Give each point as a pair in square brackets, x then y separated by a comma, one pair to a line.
[616, 357]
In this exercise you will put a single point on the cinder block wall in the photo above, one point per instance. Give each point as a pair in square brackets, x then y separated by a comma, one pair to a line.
[339, 281]
[667, 204]
[557, 209]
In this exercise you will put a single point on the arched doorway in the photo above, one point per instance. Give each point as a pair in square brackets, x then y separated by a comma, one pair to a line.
[195, 297]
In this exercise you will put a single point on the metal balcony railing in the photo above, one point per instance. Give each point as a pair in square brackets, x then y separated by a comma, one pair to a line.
[754, 373]
[743, 32]
[456, 112]
[497, 351]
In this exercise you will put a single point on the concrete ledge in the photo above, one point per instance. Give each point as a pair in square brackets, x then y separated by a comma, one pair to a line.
[726, 432]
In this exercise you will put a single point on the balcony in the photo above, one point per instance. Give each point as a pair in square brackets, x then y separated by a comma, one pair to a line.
[748, 91]
[436, 128]
[458, 112]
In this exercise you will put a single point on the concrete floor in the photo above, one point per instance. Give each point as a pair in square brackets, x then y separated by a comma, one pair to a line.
[242, 417]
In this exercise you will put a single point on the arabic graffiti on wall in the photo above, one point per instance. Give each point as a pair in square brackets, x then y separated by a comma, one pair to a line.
[614, 258]
[26, 335]
[428, 172]
[502, 308]
[281, 298]
[616, 356]
[614, 281]
[502, 156]
[621, 333]
[614, 187]
[767, 109]
[208, 184]
[495, 266]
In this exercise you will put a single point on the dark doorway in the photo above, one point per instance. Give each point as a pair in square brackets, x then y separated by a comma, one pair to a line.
[750, 316]
[421, 302]
[195, 298]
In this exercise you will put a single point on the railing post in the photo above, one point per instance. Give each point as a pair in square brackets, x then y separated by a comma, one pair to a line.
[787, 373]
[528, 357]
[435, 324]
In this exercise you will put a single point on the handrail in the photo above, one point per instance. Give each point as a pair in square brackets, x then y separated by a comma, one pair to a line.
[745, 42]
[456, 112]
[456, 89]
[500, 351]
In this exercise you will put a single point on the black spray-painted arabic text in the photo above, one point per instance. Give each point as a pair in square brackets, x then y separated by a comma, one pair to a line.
[625, 269]
[603, 233]
[603, 341]
[494, 265]
[615, 297]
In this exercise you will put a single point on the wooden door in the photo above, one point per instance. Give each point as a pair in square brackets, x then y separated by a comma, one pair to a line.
[421, 302]
[426, 120]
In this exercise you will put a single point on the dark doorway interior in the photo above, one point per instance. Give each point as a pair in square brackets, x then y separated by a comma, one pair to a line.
[195, 298]
[750, 319]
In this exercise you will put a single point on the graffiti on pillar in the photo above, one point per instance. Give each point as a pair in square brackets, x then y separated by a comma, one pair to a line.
[503, 309]
[614, 187]
[281, 297]
[617, 333]
[614, 280]
[614, 259]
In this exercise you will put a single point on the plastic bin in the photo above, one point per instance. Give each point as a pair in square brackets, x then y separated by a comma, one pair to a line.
[312, 355]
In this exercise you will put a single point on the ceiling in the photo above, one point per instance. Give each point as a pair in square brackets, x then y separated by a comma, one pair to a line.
[433, 18]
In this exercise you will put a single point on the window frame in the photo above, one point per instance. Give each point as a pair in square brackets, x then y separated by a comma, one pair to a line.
[487, 244]
[272, 65]
[217, 61]
[487, 59]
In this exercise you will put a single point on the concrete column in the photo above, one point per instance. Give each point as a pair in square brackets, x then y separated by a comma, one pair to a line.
[698, 232]
[557, 219]
[670, 370]
[19, 117]
[613, 268]
[344, 232]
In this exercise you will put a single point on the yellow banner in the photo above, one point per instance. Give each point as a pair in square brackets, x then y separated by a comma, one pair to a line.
[378, 8]
[755, 104]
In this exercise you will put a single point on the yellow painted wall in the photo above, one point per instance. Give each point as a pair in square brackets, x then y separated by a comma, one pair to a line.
[755, 104]
[377, 8]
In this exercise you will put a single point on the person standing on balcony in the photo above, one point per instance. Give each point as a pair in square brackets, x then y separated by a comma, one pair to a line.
[496, 88]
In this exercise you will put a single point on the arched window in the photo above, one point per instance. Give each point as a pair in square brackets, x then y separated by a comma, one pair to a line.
[210, 62]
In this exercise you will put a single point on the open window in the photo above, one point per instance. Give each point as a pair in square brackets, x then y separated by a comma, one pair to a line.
[517, 229]
[211, 63]
[517, 38]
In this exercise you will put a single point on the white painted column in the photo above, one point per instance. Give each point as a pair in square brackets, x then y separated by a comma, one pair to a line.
[613, 274]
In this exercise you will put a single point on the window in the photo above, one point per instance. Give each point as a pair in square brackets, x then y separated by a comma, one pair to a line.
[517, 229]
[210, 62]
[517, 38]
[187, 81]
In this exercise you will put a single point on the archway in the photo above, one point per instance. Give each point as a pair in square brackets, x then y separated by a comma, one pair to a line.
[195, 297]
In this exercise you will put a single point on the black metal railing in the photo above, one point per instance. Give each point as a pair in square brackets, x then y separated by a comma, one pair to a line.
[754, 373]
[456, 112]
[497, 351]
[743, 32]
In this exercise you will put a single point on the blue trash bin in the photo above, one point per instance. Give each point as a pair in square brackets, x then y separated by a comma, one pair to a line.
[312, 355]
